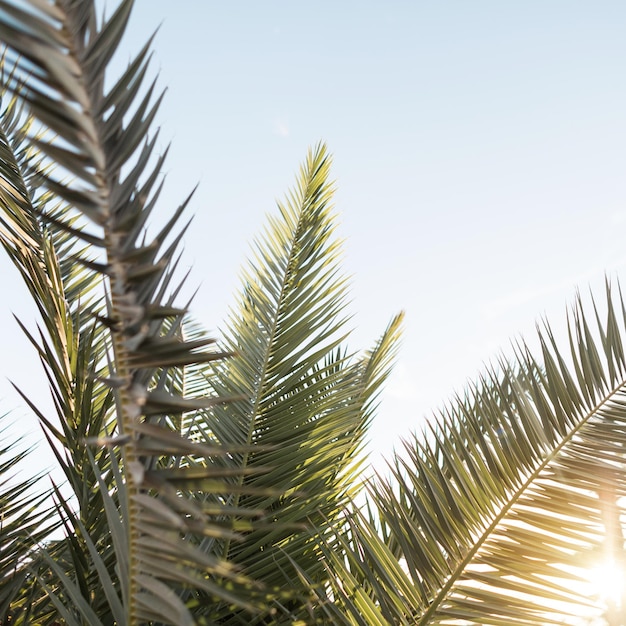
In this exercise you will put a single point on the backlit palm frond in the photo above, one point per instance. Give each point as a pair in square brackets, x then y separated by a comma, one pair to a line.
[64, 291]
[307, 402]
[70, 344]
[100, 136]
[504, 506]
[24, 520]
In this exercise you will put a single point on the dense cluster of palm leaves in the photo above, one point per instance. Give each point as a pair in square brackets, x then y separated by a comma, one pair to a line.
[217, 482]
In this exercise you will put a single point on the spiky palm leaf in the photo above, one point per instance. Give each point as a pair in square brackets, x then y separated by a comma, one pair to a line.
[70, 345]
[305, 403]
[59, 52]
[24, 520]
[498, 512]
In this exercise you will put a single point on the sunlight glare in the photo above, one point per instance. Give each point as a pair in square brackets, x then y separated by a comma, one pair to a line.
[608, 581]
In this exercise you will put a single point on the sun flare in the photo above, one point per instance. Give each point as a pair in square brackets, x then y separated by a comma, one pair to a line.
[608, 580]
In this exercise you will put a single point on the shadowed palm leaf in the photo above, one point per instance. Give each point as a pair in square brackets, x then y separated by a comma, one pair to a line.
[70, 345]
[59, 52]
[24, 521]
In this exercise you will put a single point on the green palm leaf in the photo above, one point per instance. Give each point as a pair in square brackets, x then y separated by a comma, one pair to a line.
[306, 401]
[59, 53]
[24, 520]
[498, 513]
[69, 345]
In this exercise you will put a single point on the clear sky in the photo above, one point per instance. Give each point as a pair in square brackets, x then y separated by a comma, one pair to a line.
[480, 152]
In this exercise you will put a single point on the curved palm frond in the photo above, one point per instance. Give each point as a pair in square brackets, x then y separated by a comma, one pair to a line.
[500, 510]
[70, 345]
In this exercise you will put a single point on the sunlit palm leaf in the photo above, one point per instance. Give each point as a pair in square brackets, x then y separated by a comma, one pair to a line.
[498, 512]
[70, 345]
[307, 402]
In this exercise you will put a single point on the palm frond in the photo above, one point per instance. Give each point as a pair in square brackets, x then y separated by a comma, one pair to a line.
[70, 345]
[101, 137]
[497, 513]
[306, 402]
[24, 520]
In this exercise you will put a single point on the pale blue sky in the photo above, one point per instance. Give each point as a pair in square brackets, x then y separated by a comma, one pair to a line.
[480, 151]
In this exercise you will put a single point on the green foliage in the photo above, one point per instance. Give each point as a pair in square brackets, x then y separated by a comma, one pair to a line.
[306, 403]
[500, 509]
[217, 482]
